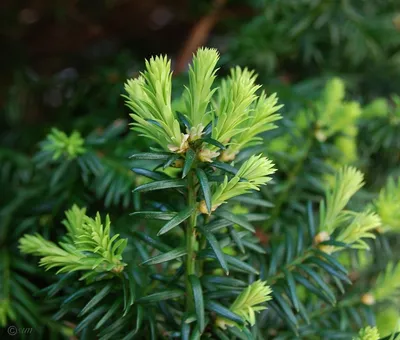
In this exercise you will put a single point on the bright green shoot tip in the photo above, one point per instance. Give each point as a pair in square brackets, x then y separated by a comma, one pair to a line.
[232, 115]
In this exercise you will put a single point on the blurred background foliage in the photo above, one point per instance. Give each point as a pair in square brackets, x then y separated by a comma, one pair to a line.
[64, 131]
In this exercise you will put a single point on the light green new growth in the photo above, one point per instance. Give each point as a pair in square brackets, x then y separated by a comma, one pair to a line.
[232, 107]
[52, 255]
[60, 144]
[202, 74]
[88, 246]
[387, 285]
[260, 120]
[377, 108]
[237, 114]
[248, 303]
[256, 170]
[359, 228]
[149, 96]
[368, 333]
[353, 226]
[252, 174]
[348, 181]
[89, 235]
[336, 114]
[333, 95]
[387, 206]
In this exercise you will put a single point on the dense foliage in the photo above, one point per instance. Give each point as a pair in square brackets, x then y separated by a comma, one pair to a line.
[229, 211]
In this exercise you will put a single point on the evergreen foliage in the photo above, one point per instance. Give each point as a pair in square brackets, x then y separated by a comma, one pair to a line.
[223, 242]
[311, 38]
[248, 219]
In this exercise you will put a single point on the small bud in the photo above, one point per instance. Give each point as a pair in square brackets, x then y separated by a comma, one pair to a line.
[183, 147]
[118, 269]
[321, 237]
[320, 135]
[195, 132]
[203, 207]
[368, 299]
[206, 155]
[227, 156]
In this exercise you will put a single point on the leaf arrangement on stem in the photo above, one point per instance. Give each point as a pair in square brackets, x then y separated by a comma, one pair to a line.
[192, 265]
[213, 127]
